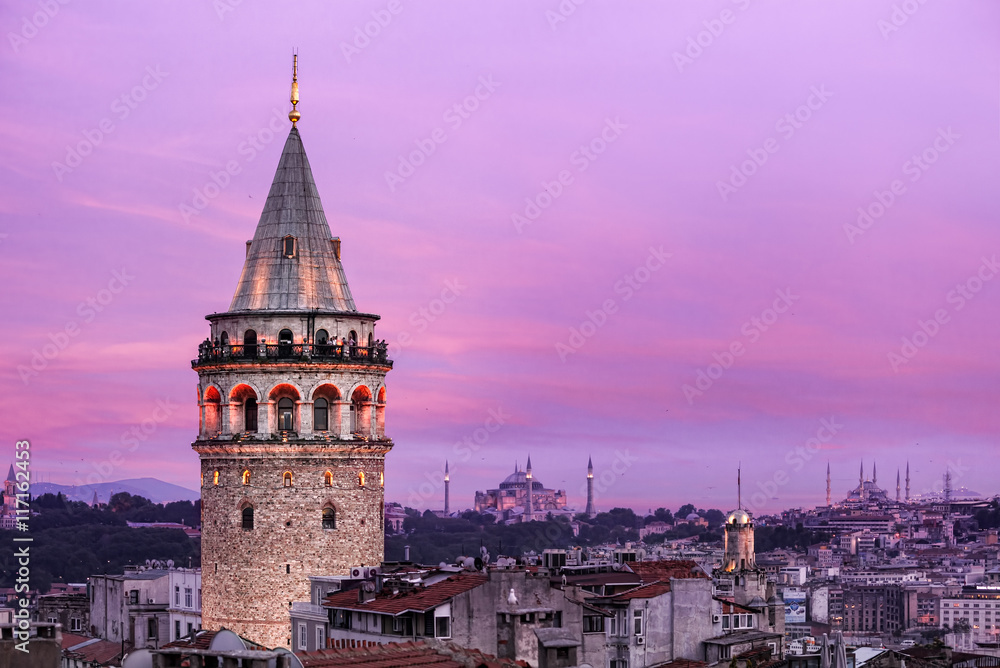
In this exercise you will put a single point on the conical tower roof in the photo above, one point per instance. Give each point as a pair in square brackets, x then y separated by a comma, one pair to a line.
[311, 277]
[10, 474]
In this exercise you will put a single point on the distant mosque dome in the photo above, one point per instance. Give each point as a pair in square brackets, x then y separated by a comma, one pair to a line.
[738, 516]
[519, 480]
[693, 517]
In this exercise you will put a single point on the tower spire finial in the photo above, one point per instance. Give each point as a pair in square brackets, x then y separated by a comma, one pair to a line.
[739, 486]
[294, 114]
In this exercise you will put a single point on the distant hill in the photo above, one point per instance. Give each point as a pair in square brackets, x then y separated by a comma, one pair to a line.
[155, 490]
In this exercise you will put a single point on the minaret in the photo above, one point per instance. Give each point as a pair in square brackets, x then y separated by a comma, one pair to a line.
[907, 482]
[291, 421]
[828, 497]
[529, 510]
[947, 486]
[897, 485]
[591, 511]
[447, 483]
[861, 476]
[874, 474]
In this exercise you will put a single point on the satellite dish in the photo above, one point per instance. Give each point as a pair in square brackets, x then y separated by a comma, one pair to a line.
[140, 658]
[170, 563]
[227, 640]
[293, 661]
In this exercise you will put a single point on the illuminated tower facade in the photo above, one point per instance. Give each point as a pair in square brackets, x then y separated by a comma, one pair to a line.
[291, 397]
[897, 485]
[591, 511]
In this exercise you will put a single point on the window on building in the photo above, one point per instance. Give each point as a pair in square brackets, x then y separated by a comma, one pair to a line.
[442, 627]
[250, 343]
[285, 343]
[177, 596]
[342, 620]
[246, 476]
[288, 246]
[188, 598]
[152, 628]
[329, 518]
[321, 420]
[328, 479]
[199, 598]
[619, 663]
[725, 622]
[593, 624]
[285, 411]
[361, 478]
[190, 629]
[52, 619]
[250, 415]
[133, 597]
[177, 629]
[286, 479]
[637, 623]
[76, 624]
[562, 652]
[215, 478]
[247, 518]
[320, 637]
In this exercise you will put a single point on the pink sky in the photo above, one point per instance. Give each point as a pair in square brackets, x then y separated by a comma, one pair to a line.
[198, 81]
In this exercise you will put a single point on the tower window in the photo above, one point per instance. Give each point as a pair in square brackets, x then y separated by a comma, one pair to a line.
[322, 337]
[361, 478]
[321, 420]
[250, 415]
[285, 343]
[250, 343]
[329, 518]
[247, 518]
[288, 246]
[224, 339]
[215, 478]
[328, 479]
[285, 409]
[381, 479]
[286, 479]
[246, 477]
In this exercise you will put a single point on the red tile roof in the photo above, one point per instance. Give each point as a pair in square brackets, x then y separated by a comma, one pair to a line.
[421, 600]
[651, 590]
[201, 640]
[664, 569]
[393, 655]
[101, 652]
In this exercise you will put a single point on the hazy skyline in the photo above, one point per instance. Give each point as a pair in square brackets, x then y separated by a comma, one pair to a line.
[779, 221]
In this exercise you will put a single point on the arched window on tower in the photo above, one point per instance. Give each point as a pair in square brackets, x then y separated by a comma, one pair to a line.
[250, 343]
[286, 479]
[247, 518]
[321, 415]
[371, 342]
[285, 343]
[322, 341]
[224, 338]
[361, 478]
[329, 518]
[246, 477]
[328, 479]
[286, 408]
[250, 415]
[215, 478]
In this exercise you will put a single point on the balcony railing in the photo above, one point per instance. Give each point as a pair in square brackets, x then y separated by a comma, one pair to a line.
[209, 353]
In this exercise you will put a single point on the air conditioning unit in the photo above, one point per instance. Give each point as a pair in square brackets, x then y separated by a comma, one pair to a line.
[361, 572]
[149, 600]
[640, 640]
[716, 619]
